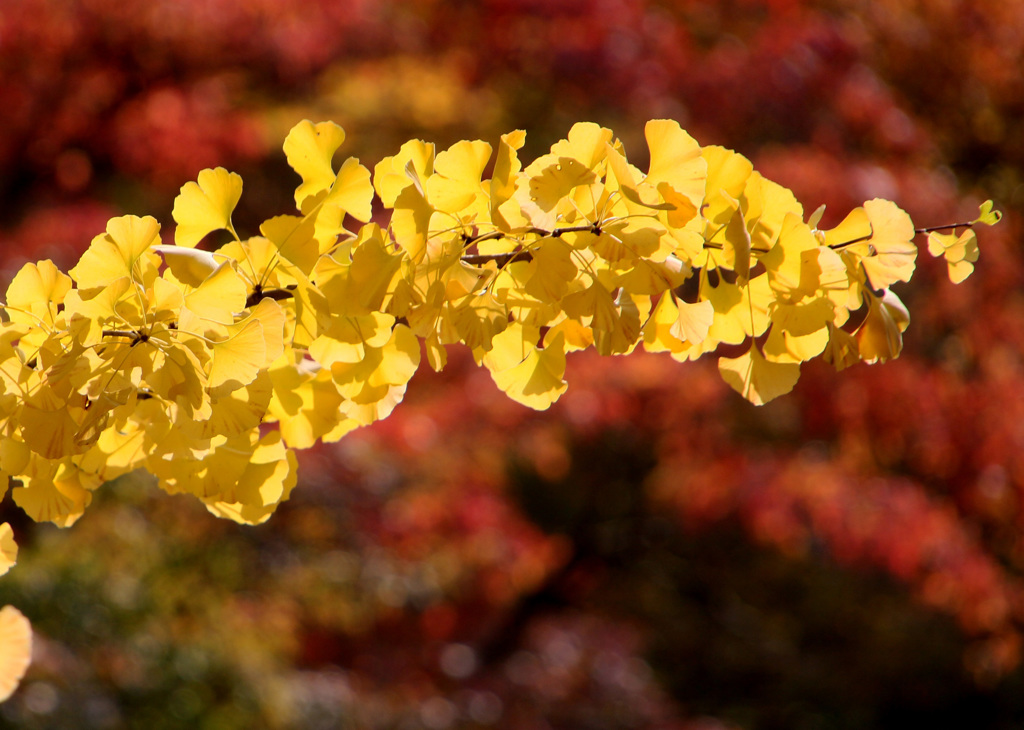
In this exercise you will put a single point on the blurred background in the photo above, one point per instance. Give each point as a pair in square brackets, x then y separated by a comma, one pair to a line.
[653, 552]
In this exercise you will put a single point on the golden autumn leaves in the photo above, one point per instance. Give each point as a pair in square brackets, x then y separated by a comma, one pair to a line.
[208, 367]
[179, 360]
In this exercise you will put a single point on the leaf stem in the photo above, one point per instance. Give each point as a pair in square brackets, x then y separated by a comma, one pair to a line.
[948, 227]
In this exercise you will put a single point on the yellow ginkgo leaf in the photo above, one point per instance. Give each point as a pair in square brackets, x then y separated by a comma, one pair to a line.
[587, 143]
[295, 240]
[257, 259]
[552, 178]
[855, 226]
[506, 171]
[178, 376]
[309, 149]
[119, 253]
[657, 336]
[115, 301]
[36, 292]
[456, 183]
[735, 241]
[550, 270]
[237, 410]
[272, 318]
[842, 350]
[437, 355]
[478, 318]
[510, 347]
[987, 215]
[410, 223]
[799, 331]
[116, 452]
[347, 337]
[787, 261]
[682, 212]
[880, 336]
[676, 159]
[15, 649]
[413, 164]
[206, 205]
[14, 458]
[756, 379]
[351, 194]
[266, 480]
[727, 173]
[960, 252]
[732, 319]
[48, 424]
[400, 357]
[693, 322]
[537, 381]
[239, 358]
[307, 313]
[373, 270]
[642, 196]
[654, 277]
[577, 336]
[55, 494]
[8, 548]
[305, 401]
[189, 265]
[216, 299]
[617, 328]
[889, 255]
[768, 205]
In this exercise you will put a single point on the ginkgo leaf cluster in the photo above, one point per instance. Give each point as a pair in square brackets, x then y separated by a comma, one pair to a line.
[207, 366]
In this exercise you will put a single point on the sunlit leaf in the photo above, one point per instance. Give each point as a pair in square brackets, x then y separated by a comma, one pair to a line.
[190, 266]
[537, 381]
[413, 164]
[676, 159]
[456, 183]
[550, 270]
[506, 171]
[206, 205]
[960, 252]
[351, 194]
[756, 379]
[120, 252]
[889, 254]
[693, 322]
[550, 184]
[36, 292]
[15, 649]
[880, 336]
[309, 149]
[295, 240]
[987, 215]
[56, 493]
[8, 550]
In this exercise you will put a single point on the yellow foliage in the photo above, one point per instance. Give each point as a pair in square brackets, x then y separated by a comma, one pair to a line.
[206, 205]
[208, 367]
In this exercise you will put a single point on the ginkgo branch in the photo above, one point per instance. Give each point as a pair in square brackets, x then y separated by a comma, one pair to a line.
[948, 227]
[502, 259]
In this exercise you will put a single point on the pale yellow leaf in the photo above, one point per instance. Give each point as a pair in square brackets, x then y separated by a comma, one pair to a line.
[8, 548]
[756, 379]
[206, 205]
[15, 649]
[309, 149]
